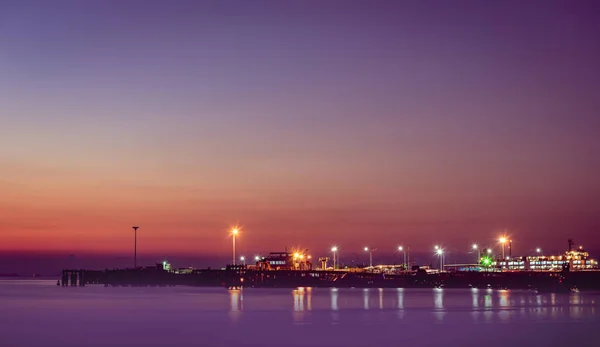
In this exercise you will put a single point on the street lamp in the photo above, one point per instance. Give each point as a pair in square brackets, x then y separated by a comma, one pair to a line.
[256, 258]
[502, 242]
[401, 249]
[334, 249]
[135, 228]
[243, 260]
[370, 250]
[476, 247]
[440, 252]
[234, 233]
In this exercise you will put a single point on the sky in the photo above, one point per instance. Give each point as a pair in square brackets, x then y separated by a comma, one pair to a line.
[308, 123]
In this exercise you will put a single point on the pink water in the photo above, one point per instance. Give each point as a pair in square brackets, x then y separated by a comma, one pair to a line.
[38, 313]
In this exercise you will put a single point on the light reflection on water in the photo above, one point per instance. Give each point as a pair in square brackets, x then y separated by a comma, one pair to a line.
[483, 305]
[94, 309]
[400, 292]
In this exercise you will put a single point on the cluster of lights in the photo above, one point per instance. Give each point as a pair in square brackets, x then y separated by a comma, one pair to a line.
[485, 260]
[301, 256]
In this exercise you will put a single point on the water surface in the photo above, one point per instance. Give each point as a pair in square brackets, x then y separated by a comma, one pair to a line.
[38, 313]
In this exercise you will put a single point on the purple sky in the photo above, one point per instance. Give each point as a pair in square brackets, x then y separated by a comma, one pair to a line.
[308, 122]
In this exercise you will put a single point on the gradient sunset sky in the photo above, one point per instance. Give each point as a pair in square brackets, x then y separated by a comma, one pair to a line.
[309, 123]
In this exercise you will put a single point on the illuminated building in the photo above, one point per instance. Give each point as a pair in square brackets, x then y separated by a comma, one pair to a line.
[166, 266]
[285, 261]
[575, 260]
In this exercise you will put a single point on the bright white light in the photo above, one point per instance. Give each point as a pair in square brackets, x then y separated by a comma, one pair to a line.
[440, 251]
[474, 246]
[502, 239]
[489, 250]
[235, 231]
[366, 249]
[334, 249]
[538, 250]
[400, 248]
[242, 258]
[437, 247]
[257, 258]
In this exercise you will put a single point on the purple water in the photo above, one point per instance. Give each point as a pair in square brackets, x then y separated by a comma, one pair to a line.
[38, 313]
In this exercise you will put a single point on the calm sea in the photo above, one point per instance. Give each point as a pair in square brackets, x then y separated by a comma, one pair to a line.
[38, 313]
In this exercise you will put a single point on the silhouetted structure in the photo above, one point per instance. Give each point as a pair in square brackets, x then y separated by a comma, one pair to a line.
[135, 228]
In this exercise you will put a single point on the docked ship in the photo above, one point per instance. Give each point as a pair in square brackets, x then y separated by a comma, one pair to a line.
[574, 259]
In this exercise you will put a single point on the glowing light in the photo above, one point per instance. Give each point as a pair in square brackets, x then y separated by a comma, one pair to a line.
[309, 257]
[257, 258]
[334, 249]
[474, 246]
[301, 256]
[489, 251]
[440, 251]
[503, 240]
[400, 248]
[296, 255]
[437, 247]
[242, 258]
[366, 249]
[538, 250]
[234, 231]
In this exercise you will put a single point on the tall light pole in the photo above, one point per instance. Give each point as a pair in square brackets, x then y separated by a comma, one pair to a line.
[243, 260]
[334, 249]
[538, 251]
[234, 233]
[502, 242]
[440, 252]
[135, 228]
[476, 247]
[370, 250]
[401, 249]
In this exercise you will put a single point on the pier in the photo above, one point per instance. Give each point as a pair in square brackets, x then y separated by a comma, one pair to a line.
[238, 276]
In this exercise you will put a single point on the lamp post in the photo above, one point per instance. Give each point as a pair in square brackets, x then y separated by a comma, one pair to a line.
[334, 249]
[370, 250]
[243, 260]
[135, 228]
[440, 252]
[401, 249]
[476, 247]
[234, 233]
[502, 242]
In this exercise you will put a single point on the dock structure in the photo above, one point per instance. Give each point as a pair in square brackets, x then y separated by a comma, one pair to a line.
[238, 276]
[73, 278]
